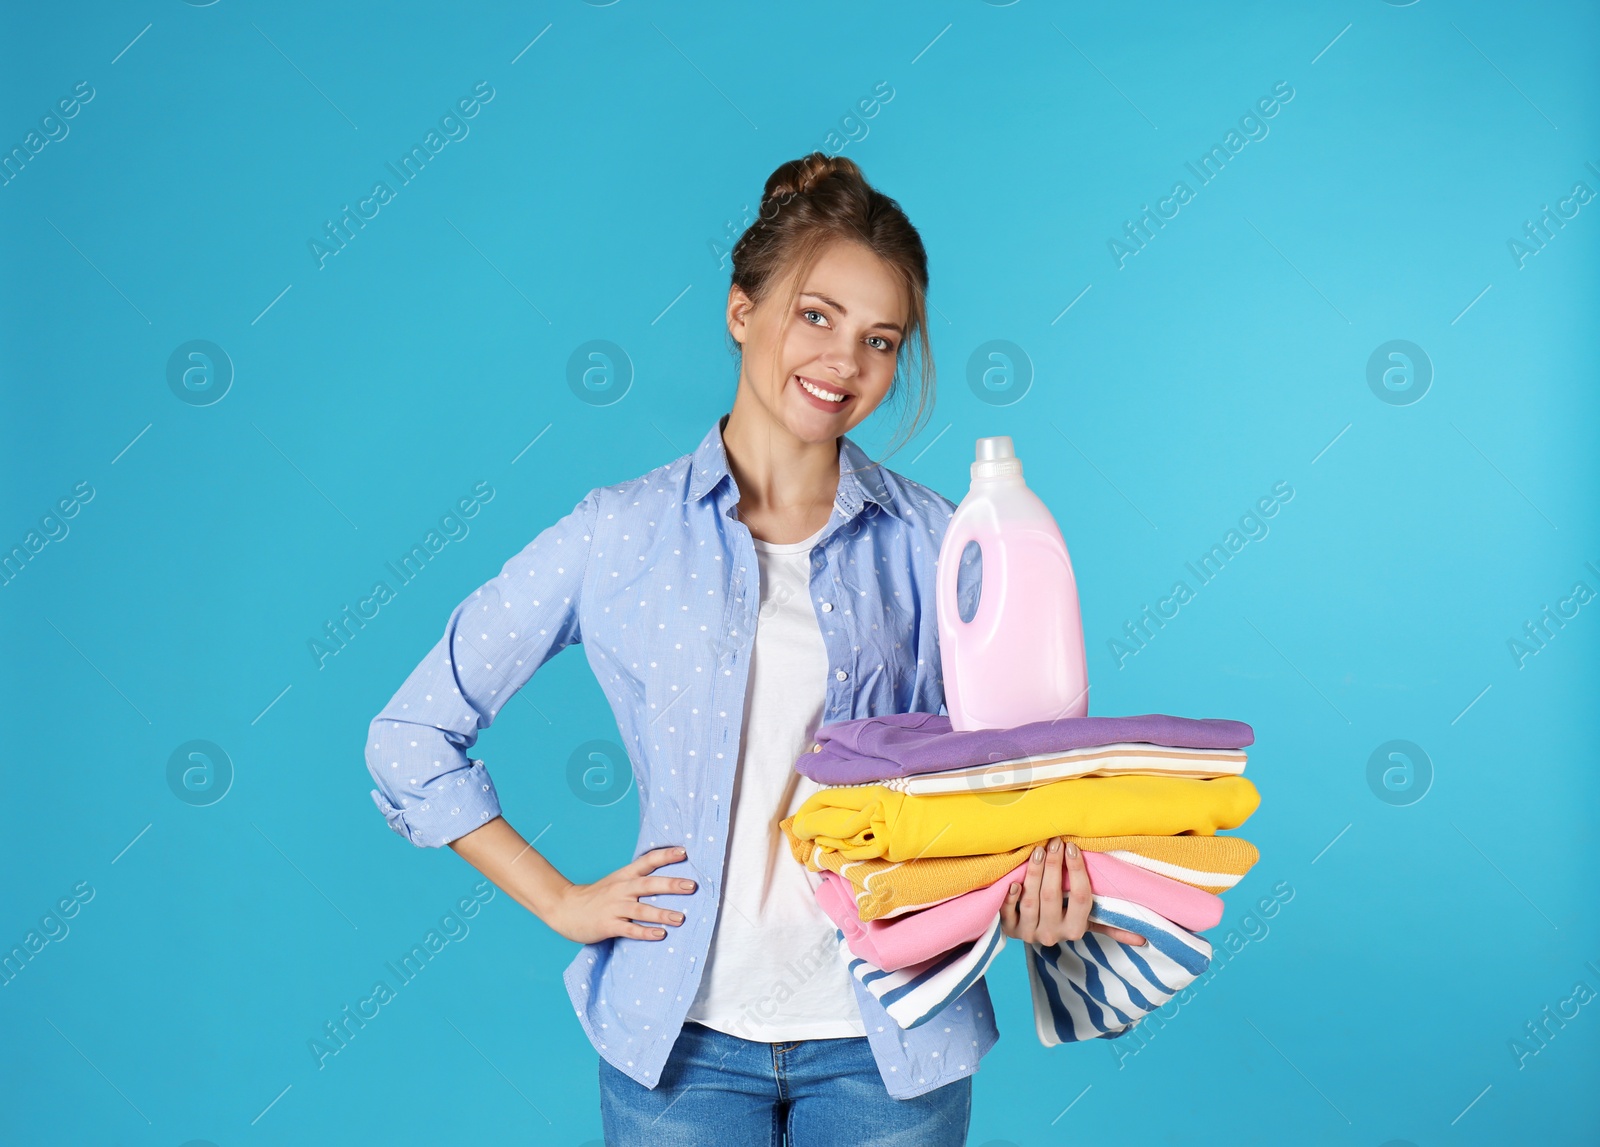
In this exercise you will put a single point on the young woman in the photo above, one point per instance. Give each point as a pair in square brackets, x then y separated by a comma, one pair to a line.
[729, 603]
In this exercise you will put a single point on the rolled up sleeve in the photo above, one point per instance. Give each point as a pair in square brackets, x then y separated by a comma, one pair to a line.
[429, 790]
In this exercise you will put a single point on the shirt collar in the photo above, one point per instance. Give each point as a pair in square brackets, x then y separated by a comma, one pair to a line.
[860, 478]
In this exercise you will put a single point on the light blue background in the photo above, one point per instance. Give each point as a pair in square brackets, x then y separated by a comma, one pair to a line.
[369, 395]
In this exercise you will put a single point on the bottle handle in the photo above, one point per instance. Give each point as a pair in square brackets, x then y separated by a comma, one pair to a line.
[948, 604]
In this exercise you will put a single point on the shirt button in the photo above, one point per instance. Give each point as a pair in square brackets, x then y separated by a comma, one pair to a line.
[827, 607]
[841, 675]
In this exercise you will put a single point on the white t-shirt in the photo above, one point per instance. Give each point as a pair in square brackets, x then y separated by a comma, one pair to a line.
[773, 972]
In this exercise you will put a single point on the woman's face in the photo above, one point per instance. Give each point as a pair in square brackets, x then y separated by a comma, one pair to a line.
[842, 337]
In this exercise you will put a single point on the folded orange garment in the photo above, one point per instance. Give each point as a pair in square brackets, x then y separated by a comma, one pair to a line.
[885, 888]
[865, 821]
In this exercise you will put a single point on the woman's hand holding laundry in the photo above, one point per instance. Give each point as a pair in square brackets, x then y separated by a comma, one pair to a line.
[1041, 910]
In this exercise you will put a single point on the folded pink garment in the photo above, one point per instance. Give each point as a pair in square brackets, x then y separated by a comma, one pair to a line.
[905, 940]
[1185, 905]
[900, 941]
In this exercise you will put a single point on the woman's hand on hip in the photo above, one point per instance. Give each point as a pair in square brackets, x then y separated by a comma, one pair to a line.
[610, 906]
[1036, 910]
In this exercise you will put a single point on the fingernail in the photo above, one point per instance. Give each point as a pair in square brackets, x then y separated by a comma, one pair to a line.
[1038, 854]
[1055, 845]
[1072, 850]
[1015, 888]
[677, 917]
[688, 886]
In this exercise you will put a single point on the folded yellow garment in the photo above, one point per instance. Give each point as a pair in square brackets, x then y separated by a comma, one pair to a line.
[865, 821]
[888, 888]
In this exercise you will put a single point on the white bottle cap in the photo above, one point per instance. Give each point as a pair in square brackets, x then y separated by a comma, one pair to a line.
[996, 458]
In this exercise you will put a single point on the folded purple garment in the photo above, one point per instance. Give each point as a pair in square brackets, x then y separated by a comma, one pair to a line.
[904, 744]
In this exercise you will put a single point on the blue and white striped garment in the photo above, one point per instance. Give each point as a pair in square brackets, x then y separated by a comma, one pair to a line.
[1082, 989]
[1096, 987]
[917, 993]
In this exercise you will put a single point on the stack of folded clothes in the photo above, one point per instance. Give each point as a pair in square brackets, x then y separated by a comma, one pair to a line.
[920, 830]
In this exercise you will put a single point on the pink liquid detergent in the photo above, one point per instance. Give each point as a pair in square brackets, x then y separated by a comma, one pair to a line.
[1020, 658]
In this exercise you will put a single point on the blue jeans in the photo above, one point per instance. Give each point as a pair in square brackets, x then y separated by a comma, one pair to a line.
[718, 1090]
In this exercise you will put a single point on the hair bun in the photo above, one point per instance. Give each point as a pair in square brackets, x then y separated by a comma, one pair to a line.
[799, 176]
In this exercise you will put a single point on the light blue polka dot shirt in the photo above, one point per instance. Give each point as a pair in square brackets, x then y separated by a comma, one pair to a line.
[658, 581]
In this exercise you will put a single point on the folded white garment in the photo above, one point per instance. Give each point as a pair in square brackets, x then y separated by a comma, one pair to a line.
[1098, 761]
[1202, 878]
[915, 994]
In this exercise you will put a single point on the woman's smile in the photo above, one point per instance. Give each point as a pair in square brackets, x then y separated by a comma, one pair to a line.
[822, 397]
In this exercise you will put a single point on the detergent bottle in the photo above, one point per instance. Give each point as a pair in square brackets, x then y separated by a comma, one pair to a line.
[1020, 657]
